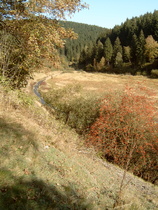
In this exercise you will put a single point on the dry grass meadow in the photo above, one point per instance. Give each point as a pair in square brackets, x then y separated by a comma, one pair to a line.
[44, 164]
[99, 83]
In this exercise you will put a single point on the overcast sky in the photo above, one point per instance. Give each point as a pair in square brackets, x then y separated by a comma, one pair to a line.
[108, 13]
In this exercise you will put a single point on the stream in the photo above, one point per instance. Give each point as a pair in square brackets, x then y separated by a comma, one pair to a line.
[35, 90]
[42, 101]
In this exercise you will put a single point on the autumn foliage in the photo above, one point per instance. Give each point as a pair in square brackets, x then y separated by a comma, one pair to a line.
[126, 131]
[30, 34]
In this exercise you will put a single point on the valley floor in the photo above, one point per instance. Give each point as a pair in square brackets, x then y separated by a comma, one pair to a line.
[44, 164]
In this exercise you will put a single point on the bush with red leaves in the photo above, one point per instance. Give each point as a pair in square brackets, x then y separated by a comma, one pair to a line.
[126, 133]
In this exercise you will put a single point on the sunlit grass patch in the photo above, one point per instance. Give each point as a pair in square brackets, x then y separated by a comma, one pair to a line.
[44, 165]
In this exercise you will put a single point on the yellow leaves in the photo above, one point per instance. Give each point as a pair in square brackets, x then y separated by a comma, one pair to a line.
[47, 36]
[151, 48]
[41, 37]
[31, 8]
[66, 33]
[55, 8]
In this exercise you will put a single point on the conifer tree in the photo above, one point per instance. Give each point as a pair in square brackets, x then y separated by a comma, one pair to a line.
[126, 54]
[155, 25]
[99, 51]
[141, 48]
[134, 50]
[108, 50]
[117, 49]
[118, 60]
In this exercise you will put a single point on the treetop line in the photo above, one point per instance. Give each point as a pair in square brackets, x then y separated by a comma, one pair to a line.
[28, 38]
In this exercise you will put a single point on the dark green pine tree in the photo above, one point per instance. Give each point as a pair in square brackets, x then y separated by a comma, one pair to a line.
[141, 48]
[126, 54]
[155, 25]
[89, 53]
[82, 59]
[116, 49]
[108, 50]
[69, 53]
[99, 51]
[134, 50]
[138, 49]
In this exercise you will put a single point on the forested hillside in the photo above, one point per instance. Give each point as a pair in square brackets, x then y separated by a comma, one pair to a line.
[87, 36]
[126, 48]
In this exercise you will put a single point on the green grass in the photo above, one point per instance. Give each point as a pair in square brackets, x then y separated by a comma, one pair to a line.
[73, 107]
[44, 165]
[154, 73]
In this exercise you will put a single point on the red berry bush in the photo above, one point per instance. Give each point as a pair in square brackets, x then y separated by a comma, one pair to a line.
[126, 133]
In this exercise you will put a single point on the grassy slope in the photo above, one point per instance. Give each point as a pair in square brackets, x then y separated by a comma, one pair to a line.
[44, 165]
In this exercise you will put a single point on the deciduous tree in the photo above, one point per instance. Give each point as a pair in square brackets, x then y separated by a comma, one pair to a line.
[151, 48]
[34, 25]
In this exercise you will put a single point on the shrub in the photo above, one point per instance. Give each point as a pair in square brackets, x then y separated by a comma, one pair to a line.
[13, 65]
[79, 112]
[126, 132]
[138, 73]
[89, 68]
[144, 73]
[154, 73]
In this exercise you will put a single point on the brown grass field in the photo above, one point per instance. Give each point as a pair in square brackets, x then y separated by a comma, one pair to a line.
[44, 164]
[100, 83]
